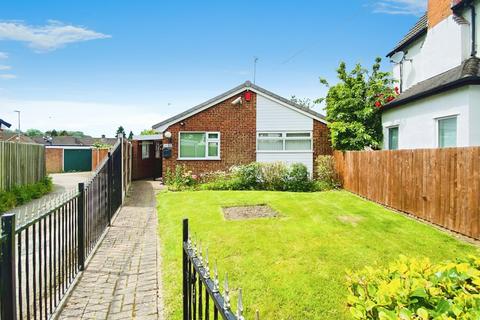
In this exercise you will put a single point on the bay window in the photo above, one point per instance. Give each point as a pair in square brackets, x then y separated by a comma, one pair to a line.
[199, 145]
[284, 141]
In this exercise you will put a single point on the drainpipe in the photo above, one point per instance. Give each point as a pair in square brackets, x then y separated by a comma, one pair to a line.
[474, 27]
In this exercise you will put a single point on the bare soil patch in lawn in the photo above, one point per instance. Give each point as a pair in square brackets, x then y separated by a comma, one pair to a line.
[353, 220]
[249, 212]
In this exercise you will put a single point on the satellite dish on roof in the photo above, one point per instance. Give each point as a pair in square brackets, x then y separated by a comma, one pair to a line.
[398, 57]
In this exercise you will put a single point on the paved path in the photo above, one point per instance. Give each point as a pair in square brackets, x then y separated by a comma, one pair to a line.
[122, 280]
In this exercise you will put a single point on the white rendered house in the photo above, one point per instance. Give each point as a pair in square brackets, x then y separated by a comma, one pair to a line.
[438, 70]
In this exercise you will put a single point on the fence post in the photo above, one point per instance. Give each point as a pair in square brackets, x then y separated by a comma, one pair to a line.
[109, 187]
[7, 270]
[81, 226]
[185, 270]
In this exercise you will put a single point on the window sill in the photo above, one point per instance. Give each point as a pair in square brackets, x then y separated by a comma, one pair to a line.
[197, 159]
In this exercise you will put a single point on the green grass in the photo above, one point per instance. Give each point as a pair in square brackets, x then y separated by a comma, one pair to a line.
[292, 267]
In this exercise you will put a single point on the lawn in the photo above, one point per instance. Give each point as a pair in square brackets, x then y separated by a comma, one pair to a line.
[292, 266]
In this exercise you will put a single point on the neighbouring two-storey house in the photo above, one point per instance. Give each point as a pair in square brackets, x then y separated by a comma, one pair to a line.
[438, 70]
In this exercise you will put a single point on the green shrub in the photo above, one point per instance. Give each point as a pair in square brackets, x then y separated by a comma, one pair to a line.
[274, 176]
[417, 289]
[180, 178]
[23, 194]
[247, 177]
[326, 173]
[298, 179]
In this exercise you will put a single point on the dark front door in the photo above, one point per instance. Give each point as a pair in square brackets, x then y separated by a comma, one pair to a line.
[77, 160]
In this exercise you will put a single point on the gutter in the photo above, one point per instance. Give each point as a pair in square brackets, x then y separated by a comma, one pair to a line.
[470, 80]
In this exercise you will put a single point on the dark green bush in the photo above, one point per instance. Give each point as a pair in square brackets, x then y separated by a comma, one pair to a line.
[417, 289]
[326, 173]
[298, 179]
[247, 177]
[23, 194]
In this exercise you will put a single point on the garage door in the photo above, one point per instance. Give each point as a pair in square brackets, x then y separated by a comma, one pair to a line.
[77, 160]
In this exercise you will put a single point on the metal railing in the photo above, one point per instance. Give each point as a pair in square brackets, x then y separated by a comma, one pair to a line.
[200, 286]
[40, 257]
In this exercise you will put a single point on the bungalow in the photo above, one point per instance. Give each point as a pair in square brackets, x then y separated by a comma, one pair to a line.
[243, 125]
[438, 70]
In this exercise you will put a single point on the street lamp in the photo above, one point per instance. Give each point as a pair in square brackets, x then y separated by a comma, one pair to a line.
[18, 112]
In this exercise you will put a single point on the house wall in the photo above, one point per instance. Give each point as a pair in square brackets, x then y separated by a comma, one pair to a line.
[474, 115]
[237, 127]
[54, 160]
[417, 120]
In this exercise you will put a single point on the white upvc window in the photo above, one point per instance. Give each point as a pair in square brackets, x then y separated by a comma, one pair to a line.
[284, 141]
[146, 150]
[447, 132]
[199, 145]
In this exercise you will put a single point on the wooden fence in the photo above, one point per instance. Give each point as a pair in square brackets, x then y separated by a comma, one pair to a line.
[20, 164]
[441, 186]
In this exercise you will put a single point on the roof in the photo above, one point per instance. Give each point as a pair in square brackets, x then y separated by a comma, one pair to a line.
[419, 29]
[147, 137]
[12, 136]
[466, 73]
[74, 141]
[161, 126]
[4, 123]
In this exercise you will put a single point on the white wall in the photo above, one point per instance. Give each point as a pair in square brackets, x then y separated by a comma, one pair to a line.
[417, 120]
[475, 115]
[444, 47]
[272, 116]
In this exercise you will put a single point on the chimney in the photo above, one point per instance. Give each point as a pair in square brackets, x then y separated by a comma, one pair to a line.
[103, 136]
[438, 10]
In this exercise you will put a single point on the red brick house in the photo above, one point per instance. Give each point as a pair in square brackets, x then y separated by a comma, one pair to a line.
[240, 126]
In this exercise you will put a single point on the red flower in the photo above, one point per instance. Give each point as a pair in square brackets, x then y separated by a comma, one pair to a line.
[390, 98]
[378, 104]
[397, 91]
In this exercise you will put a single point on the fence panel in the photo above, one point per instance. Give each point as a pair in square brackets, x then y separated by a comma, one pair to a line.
[20, 164]
[441, 186]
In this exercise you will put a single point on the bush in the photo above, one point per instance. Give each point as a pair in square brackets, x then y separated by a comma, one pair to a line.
[23, 194]
[180, 178]
[274, 176]
[298, 179]
[247, 177]
[326, 173]
[417, 289]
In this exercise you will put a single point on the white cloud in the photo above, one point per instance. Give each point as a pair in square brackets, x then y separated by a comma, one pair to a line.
[406, 7]
[7, 76]
[3, 67]
[52, 36]
[3, 55]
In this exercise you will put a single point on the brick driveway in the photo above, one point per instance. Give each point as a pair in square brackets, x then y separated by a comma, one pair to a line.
[122, 280]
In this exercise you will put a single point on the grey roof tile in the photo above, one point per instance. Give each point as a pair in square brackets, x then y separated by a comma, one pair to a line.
[417, 30]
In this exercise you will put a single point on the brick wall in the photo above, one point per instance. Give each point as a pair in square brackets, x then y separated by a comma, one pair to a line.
[321, 141]
[237, 127]
[438, 10]
[54, 160]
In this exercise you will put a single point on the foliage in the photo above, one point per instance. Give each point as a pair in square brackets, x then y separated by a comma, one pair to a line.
[353, 104]
[101, 145]
[147, 132]
[303, 102]
[247, 177]
[180, 178]
[274, 176]
[292, 266]
[121, 131]
[130, 135]
[326, 173]
[417, 289]
[23, 194]
[56, 133]
[34, 133]
[298, 179]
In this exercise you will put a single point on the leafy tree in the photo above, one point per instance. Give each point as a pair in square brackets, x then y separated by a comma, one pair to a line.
[147, 132]
[76, 134]
[34, 133]
[121, 130]
[63, 133]
[130, 135]
[303, 102]
[353, 106]
[52, 133]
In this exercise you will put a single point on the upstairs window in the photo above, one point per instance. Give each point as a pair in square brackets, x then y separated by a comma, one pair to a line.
[199, 145]
[393, 138]
[284, 141]
[447, 132]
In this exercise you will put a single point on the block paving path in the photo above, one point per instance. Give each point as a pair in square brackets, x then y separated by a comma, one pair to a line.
[122, 280]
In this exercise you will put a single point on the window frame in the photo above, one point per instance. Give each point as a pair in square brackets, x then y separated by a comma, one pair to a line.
[147, 144]
[207, 141]
[437, 130]
[398, 136]
[284, 138]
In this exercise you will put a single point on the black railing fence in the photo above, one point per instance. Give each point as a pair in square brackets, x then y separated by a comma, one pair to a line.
[40, 256]
[201, 289]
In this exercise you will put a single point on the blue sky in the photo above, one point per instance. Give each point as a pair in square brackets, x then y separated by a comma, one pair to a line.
[94, 65]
